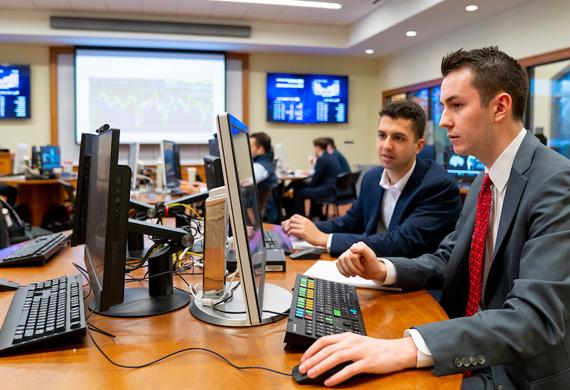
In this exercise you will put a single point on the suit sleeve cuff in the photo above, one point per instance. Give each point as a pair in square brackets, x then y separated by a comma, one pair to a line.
[391, 275]
[329, 243]
[424, 356]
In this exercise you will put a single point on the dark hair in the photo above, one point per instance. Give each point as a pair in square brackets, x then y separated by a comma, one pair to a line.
[330, 142]
[263, 140]
[407, 109]
[494, 72]
[321, 142]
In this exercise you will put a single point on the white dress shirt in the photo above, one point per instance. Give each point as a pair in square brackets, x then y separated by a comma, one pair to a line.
[259, 172]
[391, 194]
[499, 174]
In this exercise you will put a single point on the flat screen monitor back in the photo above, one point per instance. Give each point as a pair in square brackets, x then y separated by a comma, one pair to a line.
[107, 218]
[82, 192]
[245, 216]
[171, 164]
[213, 170]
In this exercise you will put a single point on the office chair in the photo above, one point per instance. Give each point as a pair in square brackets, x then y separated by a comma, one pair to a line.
[344, 194]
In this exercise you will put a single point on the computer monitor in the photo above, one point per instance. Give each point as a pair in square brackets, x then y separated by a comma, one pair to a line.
[107, 219]
[280, 158]
[171, 157]
[20, 155]
[104, 200]
[134, 150]
[51, 157]
[245, 219]
[80, 205]
[213, 170]
[464, 168]
[213, 147]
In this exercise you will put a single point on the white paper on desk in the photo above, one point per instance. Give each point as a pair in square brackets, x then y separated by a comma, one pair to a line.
[324, 269]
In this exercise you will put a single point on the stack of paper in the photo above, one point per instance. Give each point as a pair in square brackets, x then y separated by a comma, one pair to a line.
[327, 270]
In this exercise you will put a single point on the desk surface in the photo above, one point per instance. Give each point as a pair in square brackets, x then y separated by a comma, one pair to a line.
[142, 340]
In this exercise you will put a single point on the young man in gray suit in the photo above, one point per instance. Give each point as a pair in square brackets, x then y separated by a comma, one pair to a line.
[504, 271]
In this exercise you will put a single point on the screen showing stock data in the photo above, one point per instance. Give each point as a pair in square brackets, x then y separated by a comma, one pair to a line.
[150, 95]
[14, 91]
[307, 98]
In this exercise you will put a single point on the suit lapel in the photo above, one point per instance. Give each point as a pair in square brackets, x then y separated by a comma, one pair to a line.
[373, 218]
[411, 186]
[515, 188]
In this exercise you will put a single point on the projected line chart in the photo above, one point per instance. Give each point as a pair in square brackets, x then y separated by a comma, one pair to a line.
[148, 106]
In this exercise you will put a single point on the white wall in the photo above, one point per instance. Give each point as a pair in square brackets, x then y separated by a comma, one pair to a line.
[364, 103]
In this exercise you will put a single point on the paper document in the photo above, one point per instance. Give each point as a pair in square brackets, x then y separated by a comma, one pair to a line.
[324, 269]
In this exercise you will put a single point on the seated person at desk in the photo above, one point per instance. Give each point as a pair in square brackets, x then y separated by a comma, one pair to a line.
[322, 183]
[264, 171]
[405, 207]
[263, 167]
[504, 270]
[331, 149]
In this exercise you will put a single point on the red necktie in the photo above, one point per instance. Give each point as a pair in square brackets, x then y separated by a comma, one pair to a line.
[477, 254]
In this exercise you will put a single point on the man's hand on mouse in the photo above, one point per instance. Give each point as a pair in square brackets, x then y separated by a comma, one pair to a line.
[369, 355]
[305, 229]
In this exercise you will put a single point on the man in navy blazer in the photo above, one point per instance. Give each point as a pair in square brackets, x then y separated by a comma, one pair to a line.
[405, 207]
[322, 183]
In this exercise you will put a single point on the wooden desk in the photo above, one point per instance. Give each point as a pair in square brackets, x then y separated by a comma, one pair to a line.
[38, 194]
[142, 340]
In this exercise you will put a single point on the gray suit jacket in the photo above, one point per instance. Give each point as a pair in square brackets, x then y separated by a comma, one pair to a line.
[523, 332]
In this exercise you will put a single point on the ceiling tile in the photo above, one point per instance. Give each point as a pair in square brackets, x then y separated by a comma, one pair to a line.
[131, 6]
[17, 4]
[161, 7]
[89, 5]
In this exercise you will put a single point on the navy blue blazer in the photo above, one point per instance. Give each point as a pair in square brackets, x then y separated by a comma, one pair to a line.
[327, 168]
[425, 213]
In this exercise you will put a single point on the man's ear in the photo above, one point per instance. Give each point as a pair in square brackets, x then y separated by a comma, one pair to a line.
[503, 105]
[420, 145]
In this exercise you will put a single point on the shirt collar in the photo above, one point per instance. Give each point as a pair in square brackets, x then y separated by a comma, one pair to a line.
[399, 186]
[500, 171]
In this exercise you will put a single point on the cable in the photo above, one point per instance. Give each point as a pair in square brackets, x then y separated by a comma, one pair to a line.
[180, 351]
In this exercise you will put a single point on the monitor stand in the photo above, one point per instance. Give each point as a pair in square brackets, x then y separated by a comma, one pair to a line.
[275, 299]
[158, 298]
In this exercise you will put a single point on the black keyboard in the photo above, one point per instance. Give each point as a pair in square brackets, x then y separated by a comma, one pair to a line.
[321, 308]
[272, 239]
[44, 312]
[37, 251]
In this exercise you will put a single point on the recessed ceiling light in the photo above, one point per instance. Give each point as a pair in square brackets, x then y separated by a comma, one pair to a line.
[411, 33]
[471, 8]
[369, 51]
[293, 3]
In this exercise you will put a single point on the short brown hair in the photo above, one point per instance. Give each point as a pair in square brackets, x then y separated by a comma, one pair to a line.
[263, 140]
[330, 142]
[407, 109]
[494, 72]
[321, 142]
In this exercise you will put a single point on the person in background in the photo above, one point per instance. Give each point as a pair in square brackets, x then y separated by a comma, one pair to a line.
[331, 149]
[263, 167]
[406, 206]
[322, 183]
[504, 271]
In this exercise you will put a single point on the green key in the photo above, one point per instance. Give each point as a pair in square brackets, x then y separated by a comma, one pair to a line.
[336, 312]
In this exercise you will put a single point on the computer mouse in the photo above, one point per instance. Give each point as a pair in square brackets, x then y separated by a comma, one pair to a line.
[303, 379]
[8, 285]
[307, 254]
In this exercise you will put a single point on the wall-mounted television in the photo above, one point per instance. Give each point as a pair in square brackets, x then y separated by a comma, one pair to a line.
[307, 98]
[14, 91]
